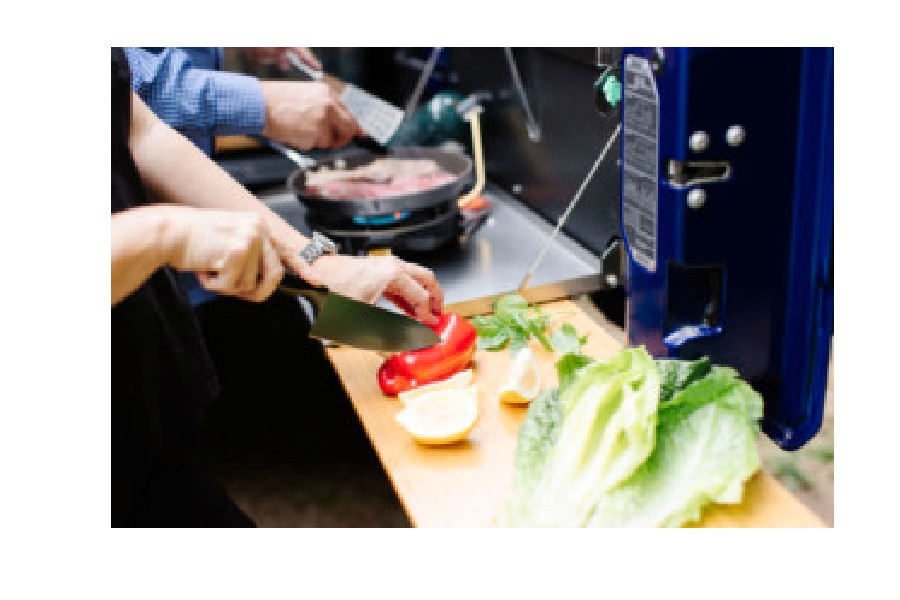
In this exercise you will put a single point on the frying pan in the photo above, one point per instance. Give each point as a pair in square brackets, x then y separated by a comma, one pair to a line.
[457, 165]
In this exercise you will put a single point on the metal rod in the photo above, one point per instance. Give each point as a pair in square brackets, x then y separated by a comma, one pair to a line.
[531, 125]
[413, 101]
[562, 219]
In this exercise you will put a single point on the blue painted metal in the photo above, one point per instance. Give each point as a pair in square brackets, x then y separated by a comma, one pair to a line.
[764, 235]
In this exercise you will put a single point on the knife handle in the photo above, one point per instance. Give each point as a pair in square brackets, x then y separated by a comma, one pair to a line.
[293, 285]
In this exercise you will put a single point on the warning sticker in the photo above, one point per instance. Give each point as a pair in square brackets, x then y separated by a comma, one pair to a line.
[640, 161]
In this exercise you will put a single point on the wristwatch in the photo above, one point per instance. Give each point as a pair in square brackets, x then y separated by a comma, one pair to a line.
[317, 246]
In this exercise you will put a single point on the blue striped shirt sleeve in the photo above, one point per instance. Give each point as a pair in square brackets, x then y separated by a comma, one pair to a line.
[196, 101]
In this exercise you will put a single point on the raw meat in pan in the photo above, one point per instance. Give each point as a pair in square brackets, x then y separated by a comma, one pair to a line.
[381, 178]
[365, 190]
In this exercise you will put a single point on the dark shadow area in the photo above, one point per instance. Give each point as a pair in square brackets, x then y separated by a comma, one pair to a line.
[283, 437]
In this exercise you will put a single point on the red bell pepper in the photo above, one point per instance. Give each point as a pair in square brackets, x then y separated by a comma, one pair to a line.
[404, 371]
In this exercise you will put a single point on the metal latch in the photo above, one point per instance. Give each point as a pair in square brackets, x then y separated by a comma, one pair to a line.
[686, 173]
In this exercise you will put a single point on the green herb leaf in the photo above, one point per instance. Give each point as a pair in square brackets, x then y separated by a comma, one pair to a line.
[495, 342]
[510, 304]
[567, 367]
[518, 339]
[566, 339]
[537, 329]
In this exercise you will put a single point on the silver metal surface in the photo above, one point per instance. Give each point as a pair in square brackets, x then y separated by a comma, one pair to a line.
[696, 198]
[361, 325]
[699, 141]
[526, 279]
[303, 67]
[735, 136]
[497, 255]
[354, 323]
[377, 118]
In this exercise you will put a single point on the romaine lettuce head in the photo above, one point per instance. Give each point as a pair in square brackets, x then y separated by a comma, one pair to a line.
[635, 442]
[603, 428]
[705, 451]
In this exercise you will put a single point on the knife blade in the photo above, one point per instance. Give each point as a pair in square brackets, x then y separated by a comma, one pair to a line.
[354, 323]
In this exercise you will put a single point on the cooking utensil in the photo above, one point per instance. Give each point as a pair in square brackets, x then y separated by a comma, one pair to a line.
[304, 162]
[378, 118]
[480, 177]
[354, 323]
[458, 165]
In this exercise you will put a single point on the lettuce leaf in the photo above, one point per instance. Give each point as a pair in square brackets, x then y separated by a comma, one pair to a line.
[635, 442]
[567, 367]
[676, 375]
[705, 451]
[607, 420]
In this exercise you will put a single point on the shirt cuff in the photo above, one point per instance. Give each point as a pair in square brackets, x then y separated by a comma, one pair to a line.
[239, 105]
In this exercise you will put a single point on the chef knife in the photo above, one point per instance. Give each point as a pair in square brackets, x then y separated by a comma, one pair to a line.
[354, 323]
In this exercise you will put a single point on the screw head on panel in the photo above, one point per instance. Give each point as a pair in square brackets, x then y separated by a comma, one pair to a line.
[696, 198]
[735, 135]
[699, 141]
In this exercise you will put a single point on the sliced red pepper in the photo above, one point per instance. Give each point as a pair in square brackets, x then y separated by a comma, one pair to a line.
[404, 371]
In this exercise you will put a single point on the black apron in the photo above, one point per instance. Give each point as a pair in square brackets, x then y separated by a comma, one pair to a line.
[162, 377]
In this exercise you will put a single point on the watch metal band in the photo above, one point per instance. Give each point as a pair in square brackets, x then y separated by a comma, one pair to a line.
[317, 246]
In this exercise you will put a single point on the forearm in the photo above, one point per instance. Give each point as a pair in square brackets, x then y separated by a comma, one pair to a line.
[175, 171]
[142, 242]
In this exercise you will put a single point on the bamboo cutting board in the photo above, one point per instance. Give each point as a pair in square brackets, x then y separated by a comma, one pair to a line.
[464, 485]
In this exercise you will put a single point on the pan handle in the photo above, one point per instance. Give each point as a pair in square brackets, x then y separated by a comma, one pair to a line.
[302, 161]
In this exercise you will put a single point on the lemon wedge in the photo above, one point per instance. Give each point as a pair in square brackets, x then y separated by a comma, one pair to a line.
[523, 383]
[455, 382]
[441, 416]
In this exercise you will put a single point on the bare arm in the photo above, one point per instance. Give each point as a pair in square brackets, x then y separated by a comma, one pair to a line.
[141, 243]
[230, 250]
[175, 171]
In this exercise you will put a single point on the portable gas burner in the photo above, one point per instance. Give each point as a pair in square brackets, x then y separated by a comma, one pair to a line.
[420, 221]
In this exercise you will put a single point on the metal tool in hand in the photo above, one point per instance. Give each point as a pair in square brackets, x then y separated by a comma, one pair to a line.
[347, 321]
[377, 118]
[562, 219]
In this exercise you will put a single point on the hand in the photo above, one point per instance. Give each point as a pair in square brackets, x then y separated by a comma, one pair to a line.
[278, 57]
[411, 287]
[307, 115]
[229, 251]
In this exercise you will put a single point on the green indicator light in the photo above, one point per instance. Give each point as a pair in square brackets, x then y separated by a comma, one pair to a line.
[612, 90]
